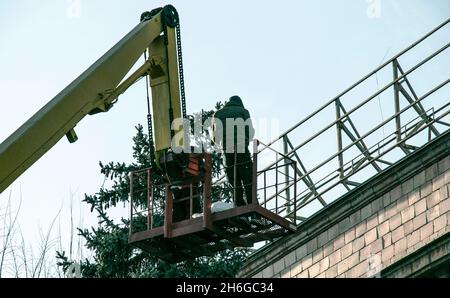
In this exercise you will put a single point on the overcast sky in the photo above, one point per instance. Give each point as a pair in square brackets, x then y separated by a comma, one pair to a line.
[285, 59]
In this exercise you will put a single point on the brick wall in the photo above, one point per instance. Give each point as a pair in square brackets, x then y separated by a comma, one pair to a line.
[370, 238]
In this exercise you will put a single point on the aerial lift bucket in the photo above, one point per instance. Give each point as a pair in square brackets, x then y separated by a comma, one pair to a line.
[156, 229]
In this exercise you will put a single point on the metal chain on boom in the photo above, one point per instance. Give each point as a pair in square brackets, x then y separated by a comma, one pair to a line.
[181, 72]
[166, 42]
[170, 18]
[149, 119]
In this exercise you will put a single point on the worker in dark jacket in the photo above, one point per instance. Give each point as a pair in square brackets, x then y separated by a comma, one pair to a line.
[233, 129]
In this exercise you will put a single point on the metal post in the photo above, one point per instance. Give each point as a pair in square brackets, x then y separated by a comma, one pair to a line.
[149, 211]
[295, 192]
[431, 126]
[207, 221]
[397, 101]
[265, 190]
[286, 172]
[152, 219]
[131, 203]
[276, 184]
[255, 173]
[234, 177]
[168, 218]
[339, 138]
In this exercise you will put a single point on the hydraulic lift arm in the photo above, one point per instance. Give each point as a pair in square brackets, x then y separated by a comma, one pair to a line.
[98, 88]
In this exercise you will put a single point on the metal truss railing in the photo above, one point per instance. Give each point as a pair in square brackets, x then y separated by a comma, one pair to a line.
[362, 148]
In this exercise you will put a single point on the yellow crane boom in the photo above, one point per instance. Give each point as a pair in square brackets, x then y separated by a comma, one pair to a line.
[97, 89]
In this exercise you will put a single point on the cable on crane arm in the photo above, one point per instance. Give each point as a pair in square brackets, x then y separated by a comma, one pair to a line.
[149, 119]
[170, 18]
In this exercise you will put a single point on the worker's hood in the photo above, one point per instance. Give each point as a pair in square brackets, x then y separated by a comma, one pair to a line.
[235, 101]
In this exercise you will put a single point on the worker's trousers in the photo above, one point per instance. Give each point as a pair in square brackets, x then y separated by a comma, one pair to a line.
[242, 164]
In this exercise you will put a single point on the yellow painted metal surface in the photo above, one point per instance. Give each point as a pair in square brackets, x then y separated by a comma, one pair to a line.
[94, 91]
[164, 82]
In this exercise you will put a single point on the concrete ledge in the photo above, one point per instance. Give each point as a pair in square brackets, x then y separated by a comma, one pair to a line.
[360, 198]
